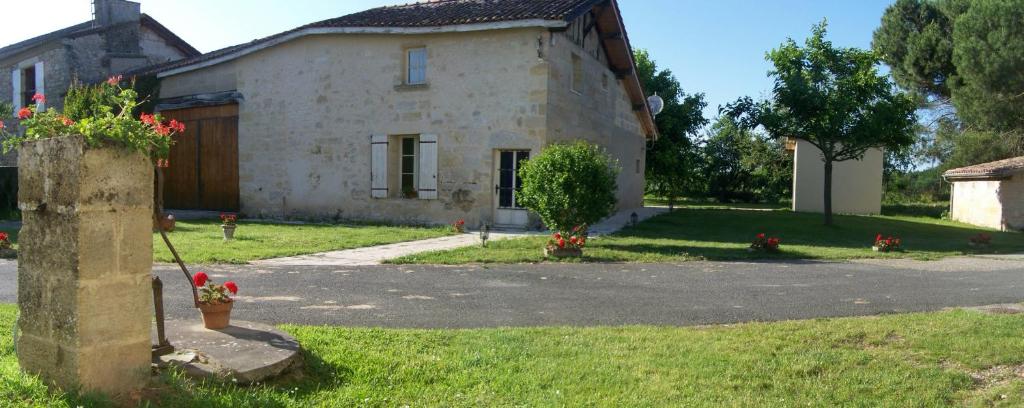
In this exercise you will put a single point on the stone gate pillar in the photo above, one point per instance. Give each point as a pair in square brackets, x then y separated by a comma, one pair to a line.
[84, 265]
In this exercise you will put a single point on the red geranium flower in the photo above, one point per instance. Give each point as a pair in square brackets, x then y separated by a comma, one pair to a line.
[147, 119]
[66, 121]
[200, 278]
[760, 236]
[1, 125]
[878, 238]
[558, 235]
[561, 243]
[39, 98]
[3, 236]
[114, 80]
[177, 126]
[24, 113]
[231, 286]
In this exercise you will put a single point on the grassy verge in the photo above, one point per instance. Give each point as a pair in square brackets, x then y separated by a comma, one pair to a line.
[201, 241]
[720, 234]
[899, 360]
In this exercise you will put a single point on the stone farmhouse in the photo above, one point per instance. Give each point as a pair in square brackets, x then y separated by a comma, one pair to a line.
[415, 113]
[989, 194]
[119, 38]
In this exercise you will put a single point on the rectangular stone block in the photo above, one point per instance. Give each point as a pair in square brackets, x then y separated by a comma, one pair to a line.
[85, 260]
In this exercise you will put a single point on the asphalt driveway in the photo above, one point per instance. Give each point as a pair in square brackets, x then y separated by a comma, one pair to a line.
[692, 293]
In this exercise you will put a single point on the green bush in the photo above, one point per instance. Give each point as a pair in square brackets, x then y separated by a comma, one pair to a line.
[569, 185]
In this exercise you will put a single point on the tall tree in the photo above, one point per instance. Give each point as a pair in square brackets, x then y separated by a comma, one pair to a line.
[833, 98]
[966, 55]
[740, 164]
[671, 160]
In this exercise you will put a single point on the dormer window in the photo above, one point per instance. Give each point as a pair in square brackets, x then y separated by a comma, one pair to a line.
[416, 63]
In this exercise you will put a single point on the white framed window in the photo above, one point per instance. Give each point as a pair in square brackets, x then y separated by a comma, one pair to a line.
[577, 74]
[26, 82]
[408, 166]
[416, 66]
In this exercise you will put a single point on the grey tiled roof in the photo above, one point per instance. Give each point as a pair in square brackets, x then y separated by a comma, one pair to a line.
[995, 169]
[424, 14]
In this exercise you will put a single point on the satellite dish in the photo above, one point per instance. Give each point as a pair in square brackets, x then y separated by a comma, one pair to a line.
[657, 104]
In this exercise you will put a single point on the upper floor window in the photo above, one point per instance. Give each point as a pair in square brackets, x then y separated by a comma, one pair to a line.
[26, 82]
[416, 63]
[577, 73]
[28, 85]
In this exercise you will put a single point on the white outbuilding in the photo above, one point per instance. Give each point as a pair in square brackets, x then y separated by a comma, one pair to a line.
[989, 195]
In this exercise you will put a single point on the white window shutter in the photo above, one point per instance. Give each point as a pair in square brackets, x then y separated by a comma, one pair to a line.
[379, 166]
[428, 167]
[16, 87]
[40, 85]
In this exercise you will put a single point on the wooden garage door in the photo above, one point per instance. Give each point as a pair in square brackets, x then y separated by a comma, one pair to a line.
[203, 172]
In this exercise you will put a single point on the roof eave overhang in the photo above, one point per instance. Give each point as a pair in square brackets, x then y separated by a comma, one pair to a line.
[304, 32]
[620, 53]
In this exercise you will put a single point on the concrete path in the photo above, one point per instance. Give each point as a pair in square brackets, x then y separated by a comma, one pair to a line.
[693, 293]
[376, 255]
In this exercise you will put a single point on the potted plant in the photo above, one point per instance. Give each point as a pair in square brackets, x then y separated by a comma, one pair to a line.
[228, 224]
[764, 243]
[214, 301]
[7, 250]
[887, 244]
[980, 240]
[459, 226]
[567, 245]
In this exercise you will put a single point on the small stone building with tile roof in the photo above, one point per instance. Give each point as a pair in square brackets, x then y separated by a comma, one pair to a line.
[120, 37]
[419, 113]
[989, 195]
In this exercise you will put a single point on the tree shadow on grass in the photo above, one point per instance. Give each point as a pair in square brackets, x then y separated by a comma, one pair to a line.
[850, 233]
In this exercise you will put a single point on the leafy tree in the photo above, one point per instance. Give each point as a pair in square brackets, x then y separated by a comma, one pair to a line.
[569, 185]
[672, 160]
[740, 164]
[833, 98]
[966, 55]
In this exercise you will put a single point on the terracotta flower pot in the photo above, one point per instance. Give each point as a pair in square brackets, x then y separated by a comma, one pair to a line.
[229, 231]
[216, 317]
[563, 252]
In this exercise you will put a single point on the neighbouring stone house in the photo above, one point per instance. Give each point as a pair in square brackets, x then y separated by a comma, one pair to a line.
[856, 184]
[119, 38]
[416, 113]
[989, 195]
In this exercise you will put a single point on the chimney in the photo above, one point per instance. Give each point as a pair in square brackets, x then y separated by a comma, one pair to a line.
[112, 12]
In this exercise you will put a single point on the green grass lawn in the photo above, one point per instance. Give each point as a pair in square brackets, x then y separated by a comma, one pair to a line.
[722, 234]
[201, 241]
[921, 360]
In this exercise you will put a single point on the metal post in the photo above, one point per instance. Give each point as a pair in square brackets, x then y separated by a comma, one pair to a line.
[163, 347]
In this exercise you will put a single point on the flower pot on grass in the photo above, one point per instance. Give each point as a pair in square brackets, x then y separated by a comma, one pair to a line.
[229, 231]
[216, 316]
[563, 252]
[228, 224]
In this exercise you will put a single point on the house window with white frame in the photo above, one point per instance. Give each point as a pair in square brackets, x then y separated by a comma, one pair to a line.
[577, 74]
[28, 85]
[408, 166]
[416, 66]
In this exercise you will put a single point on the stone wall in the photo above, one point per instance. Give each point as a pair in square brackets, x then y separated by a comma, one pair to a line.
[1011, 193]
[977, 203]
[312, 104]
[856, 184]
[84, 282]
[600, 113]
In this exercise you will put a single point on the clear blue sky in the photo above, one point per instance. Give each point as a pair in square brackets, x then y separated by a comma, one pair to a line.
[713, 46]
